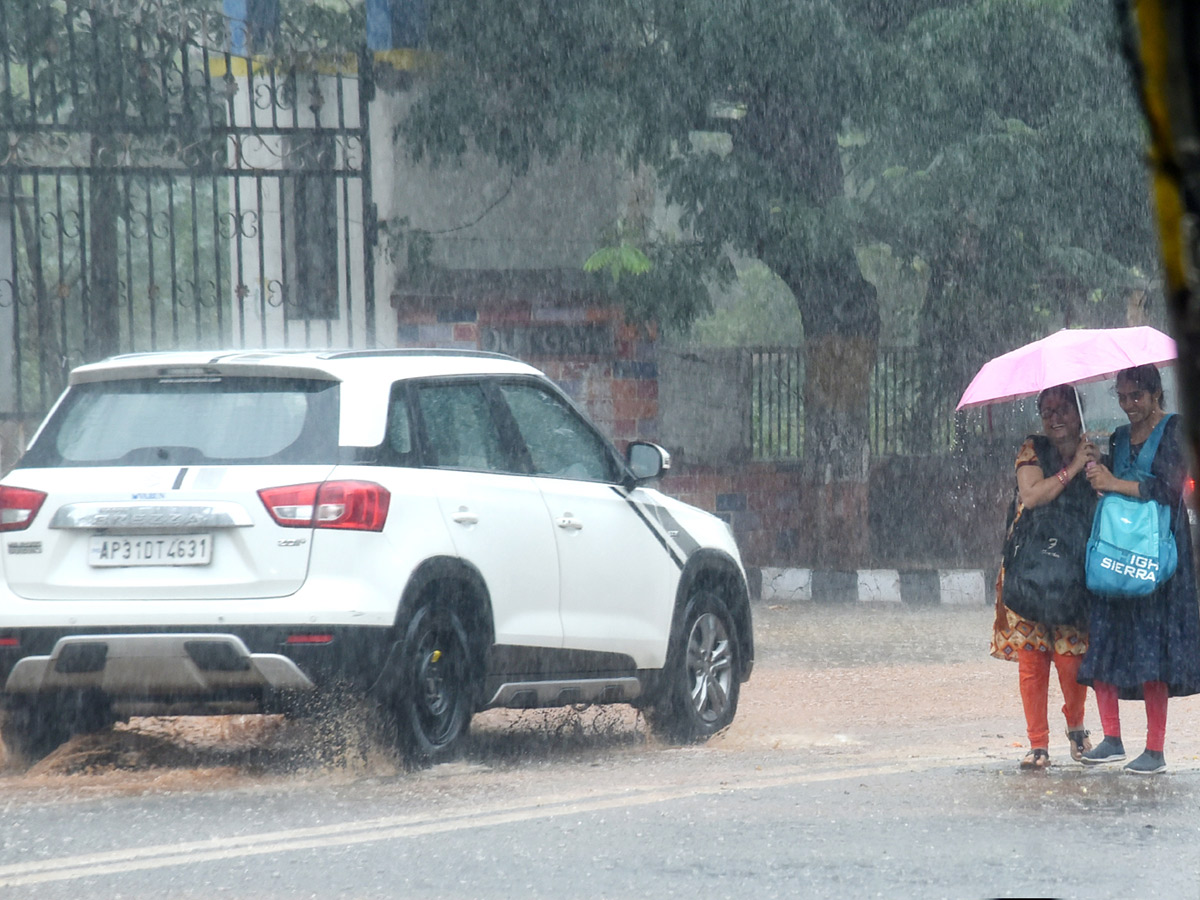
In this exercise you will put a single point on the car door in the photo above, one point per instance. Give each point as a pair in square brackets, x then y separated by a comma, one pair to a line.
[617, 577]
[496, 516]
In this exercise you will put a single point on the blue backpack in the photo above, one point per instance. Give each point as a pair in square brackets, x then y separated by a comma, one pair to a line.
[1132, 550]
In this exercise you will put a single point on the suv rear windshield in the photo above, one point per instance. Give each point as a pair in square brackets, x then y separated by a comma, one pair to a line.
[191, 421]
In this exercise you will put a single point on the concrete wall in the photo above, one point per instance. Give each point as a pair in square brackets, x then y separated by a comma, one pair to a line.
[705, 405]
[924, 512]
[604, 364]
[941, 510]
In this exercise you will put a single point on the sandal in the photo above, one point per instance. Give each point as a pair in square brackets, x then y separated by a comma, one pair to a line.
[1037, 758]
[1079, 744]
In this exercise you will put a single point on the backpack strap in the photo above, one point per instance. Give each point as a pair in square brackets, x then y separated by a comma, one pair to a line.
[1146, 457]
[1123, 462]
[1043, 447]
[1124, 465]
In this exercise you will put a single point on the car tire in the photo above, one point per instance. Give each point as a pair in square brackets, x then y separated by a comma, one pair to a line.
[701, 679]
[434, 701]
[34, 728]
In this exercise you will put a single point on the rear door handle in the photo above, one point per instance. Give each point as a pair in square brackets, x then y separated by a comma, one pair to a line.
[465, 517]
[568, 523]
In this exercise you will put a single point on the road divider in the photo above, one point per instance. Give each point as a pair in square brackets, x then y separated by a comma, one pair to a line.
[920, 587]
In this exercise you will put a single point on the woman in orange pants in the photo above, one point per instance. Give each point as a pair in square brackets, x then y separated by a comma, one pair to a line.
[1034, 668]
[1048, 469]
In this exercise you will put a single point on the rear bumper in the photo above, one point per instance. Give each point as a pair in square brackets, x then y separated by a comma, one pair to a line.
[181, 663]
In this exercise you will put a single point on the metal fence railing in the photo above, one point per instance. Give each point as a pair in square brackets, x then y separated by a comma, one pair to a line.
[158, 190]
[777, 403]
[909, 412]
[910, 408]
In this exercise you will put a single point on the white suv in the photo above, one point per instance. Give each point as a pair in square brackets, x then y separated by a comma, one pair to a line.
[441, 532]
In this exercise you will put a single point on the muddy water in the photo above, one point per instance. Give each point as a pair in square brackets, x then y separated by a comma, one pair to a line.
[851, 685]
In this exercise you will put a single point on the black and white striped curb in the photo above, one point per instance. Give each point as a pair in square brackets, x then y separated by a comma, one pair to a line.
[928, 587]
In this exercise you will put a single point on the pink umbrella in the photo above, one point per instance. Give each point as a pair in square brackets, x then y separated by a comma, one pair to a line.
[1070, 356]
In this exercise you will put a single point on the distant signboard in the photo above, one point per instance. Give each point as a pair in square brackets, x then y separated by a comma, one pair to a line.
[548, 340]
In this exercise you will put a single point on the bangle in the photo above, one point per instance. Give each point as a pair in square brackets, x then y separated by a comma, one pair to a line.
[1059, 476]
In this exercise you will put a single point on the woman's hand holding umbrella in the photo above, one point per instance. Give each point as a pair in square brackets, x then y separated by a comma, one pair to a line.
[1087, 455]
[1099, 476]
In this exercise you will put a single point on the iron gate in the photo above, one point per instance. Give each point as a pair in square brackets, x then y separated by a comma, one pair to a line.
[158, 191]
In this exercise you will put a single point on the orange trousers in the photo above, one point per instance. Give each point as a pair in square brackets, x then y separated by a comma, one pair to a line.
[1034, 668]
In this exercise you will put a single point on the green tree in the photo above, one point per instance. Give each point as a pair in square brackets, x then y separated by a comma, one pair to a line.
[1004, 154]
[970, 114]
[755, 310]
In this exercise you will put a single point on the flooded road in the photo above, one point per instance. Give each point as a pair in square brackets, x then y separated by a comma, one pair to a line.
[874, 752]
[851, 683]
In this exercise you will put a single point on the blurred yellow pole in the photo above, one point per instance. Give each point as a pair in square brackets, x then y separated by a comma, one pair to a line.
[1166, 50]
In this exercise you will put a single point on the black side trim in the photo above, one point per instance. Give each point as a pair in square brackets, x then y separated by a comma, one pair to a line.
[683, 538]
[509, 662]
[675, 557]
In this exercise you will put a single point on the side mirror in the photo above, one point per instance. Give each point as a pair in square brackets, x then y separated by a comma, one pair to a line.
[647, 460]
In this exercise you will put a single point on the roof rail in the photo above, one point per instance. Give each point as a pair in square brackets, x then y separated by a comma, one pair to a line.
[214, 355]
[321, 353]
[417, 351]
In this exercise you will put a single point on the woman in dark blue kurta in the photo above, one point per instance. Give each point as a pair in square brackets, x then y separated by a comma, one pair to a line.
[1146, 648]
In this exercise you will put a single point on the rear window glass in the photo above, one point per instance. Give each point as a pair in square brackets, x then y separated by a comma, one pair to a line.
[192, 421]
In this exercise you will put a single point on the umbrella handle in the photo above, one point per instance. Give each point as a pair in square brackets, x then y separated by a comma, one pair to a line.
[1082, 424]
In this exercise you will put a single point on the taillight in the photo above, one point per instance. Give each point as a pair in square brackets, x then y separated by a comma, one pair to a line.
[291, 506]
[305, 638]
[354, 505]
[1189, 487]
[359, 505]
[18, 506]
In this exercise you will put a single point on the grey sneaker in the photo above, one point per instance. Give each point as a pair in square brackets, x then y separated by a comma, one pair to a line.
[1108, 750]
[1151, 762]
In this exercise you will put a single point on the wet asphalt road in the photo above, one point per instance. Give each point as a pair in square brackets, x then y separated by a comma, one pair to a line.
[874, 755]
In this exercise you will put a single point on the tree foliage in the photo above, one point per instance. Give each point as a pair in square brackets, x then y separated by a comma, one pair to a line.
[1004, 151]
[998, 138]
[643, 78]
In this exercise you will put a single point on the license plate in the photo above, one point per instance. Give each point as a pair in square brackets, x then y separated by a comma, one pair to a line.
[151, 550]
